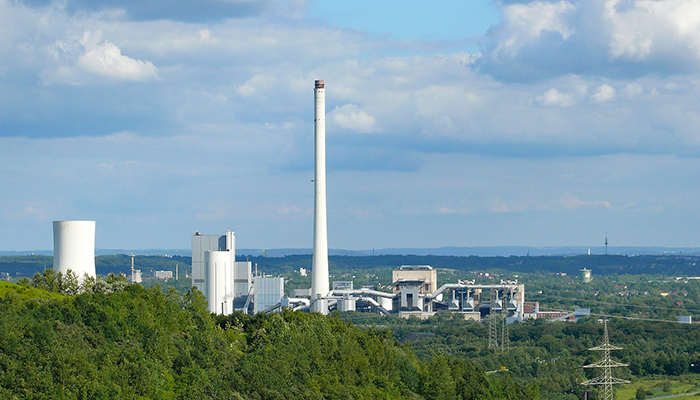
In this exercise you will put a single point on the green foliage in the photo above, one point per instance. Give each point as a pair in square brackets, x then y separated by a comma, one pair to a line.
[546, 358]
[641, 394]
[25, 291]
[138, 343]
[666, 387]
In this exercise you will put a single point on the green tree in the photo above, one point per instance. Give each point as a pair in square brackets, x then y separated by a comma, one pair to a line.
[641, 394]
[69, 283]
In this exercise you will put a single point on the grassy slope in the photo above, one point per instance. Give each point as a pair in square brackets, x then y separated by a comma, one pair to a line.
[653, 388]
[25, 292]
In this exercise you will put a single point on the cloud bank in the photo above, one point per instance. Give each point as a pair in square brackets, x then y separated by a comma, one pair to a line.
[575, 118]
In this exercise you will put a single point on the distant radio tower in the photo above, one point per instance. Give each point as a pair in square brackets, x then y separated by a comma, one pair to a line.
[606, 380]
[606, 243]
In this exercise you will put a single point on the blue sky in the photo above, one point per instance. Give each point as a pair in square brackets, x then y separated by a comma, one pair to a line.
[448, 20]
[480, 123]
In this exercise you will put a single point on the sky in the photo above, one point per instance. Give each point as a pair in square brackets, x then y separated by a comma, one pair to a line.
[452, 123]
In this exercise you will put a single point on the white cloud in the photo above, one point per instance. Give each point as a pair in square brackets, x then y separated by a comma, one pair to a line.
[256, 84]
[603, 94]
[554, 98]
[529, 20]
[572, 202]
[352, 117]
[106, 59]
[648, 26]
[89, 59]
[594, 37]
[540, 16]
[633, 89]
[500, 206]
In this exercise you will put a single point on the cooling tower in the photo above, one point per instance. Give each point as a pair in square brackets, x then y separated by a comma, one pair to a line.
[319, 265]
[74, 247]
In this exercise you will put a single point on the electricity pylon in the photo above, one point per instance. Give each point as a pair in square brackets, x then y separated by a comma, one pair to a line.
[606, 380]
[505, 333]
[493, 321]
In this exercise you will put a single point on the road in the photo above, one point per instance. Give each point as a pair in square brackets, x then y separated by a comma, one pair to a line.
[674, 396]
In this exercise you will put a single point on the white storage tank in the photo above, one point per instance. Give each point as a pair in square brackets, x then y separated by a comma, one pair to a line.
[74, 247]
[219, 278]
[387, 303]
[347, 304]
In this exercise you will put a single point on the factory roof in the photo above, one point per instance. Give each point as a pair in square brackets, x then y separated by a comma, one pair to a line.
[415, 267]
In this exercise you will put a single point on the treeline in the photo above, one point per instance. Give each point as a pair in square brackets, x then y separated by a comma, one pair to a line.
[601, 264]
[27, 266]
[137, 343]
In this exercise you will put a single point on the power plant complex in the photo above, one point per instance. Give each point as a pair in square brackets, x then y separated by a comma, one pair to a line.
[230, 285]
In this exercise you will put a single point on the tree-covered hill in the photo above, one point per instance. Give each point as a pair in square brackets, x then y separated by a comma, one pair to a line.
[126, 342]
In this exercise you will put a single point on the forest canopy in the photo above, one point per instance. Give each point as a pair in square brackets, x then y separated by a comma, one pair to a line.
[137, 343]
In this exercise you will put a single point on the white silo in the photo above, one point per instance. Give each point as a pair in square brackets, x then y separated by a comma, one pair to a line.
[74, 247]
[219, 273]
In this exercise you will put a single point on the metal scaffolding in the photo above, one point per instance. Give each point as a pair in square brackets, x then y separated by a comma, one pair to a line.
[605, 379]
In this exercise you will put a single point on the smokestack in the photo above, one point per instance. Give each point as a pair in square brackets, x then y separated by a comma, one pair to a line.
[319, 265]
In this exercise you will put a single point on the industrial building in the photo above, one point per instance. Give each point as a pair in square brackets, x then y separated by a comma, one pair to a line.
[416, 293]
[421, 277]
[226, 283]
[268, 293]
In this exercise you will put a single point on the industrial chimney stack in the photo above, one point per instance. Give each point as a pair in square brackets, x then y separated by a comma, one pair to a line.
[319, 266]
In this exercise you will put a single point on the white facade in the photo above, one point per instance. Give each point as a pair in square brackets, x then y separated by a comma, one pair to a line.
[74, 247]
[164, 275]
[203, 243]
[242, 281]
[319, 264]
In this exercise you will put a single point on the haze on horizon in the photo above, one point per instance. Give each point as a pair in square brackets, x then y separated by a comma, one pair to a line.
[481, 123]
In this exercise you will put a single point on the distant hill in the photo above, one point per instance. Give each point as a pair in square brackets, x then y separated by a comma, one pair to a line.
[483, 251]
[492, 251]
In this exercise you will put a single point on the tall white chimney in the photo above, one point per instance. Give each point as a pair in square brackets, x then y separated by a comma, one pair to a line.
[319, 265]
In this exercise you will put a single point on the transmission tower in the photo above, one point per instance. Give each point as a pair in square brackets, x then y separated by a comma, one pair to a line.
[493, 321]
[505, 333]
[605, 379]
